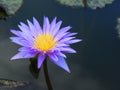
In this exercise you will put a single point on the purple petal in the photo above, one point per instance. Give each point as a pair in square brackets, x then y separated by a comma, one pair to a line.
[65, 29]
[25, 33]
[53, 23]
[53, 57]
[24, 49]
[41, 58]
[37, 25]
[61, 45]
[65, 39]
[56, 28]
[17, 33]
[23, 55]
[73, 41]
[70, 34]
[62, 63]
[58, 53]
[28, 49]
[27, 37]
[46, 24]
[23, 29]
[20, 41]
[17, 40]
[24, 25]
[62, 31]
[67, 50]
[60, 36]
[32, 29]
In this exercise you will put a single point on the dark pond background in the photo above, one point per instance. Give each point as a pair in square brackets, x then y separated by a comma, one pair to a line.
[96, 66]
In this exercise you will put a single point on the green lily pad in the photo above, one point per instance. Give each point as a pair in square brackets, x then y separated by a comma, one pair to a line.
[98, 3]
[9, 7]
[93, 4]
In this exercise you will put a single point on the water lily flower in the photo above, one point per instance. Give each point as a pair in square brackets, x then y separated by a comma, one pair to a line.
[47, 41]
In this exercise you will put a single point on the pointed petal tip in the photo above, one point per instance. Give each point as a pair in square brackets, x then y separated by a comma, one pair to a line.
[74, 41]
[13, 58]
[38, 66]
[62, 63]
[21, 23]
[11, 38]
[68, 71]
[69, 27]
[47, 18]
[80, 40]
[73, 51]
[34, 19]
[55, 18]
[28, 21]
[68, 50]
[60, 22]
[44, 17]
[11, 30]
[15, 32]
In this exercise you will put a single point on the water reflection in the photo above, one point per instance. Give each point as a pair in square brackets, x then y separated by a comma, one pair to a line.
[19, 70]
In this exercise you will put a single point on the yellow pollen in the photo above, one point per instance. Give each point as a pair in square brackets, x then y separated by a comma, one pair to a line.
[44, 42]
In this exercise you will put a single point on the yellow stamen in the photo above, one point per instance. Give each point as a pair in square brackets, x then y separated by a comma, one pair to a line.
[44, 42]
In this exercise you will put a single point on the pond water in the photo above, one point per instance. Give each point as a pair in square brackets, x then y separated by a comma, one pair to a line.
[96, 66]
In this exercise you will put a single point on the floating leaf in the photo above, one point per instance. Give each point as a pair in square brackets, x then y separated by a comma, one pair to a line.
[33, 67]
[118, 27]
[93, 4]
[5, 83]
[9, 7]
[98, 3]
[72, 3]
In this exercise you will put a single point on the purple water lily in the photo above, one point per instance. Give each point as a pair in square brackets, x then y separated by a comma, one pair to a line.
[50, 41]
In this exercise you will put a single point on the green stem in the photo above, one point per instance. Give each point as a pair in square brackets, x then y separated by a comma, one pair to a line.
[46, 75]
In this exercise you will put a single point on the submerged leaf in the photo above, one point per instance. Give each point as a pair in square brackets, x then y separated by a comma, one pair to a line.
[33, 67]
[6, 83]
[93, 4]
[118, 27]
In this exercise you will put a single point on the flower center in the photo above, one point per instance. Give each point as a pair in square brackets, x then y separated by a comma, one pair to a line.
[44, 42]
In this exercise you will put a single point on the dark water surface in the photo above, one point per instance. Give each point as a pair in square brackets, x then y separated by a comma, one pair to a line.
[96, 66]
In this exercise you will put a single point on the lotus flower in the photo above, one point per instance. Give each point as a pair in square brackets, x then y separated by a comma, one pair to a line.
[47, 41]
